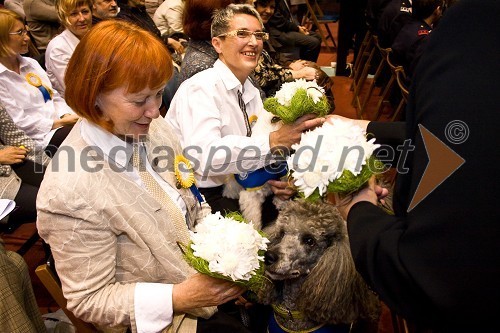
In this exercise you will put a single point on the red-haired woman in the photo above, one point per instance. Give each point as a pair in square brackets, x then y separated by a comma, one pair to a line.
[109, 206]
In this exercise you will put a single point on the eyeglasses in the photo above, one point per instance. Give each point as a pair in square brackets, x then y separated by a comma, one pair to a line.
[246, 34]
[22, 32]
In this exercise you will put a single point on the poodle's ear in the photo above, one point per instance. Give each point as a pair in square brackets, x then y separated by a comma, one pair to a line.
[331, 292]
[273, 229]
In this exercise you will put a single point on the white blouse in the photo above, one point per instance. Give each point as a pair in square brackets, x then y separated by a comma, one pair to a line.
[57, 56]
[25, 103]
[207, 118]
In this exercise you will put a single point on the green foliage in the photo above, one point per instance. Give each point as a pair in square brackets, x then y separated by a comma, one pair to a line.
[300, 105]
[348, 183]
[235, 216]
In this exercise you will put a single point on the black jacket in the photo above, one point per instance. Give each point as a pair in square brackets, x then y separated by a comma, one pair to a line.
[439, 264]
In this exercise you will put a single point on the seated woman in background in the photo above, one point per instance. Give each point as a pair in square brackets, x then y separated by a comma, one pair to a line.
[113, 221]
[76, 17]
[21, 171]
[168, 17]
[134, 11]
[289, 37]
[26, 91]
[271, 73]
[200, 54]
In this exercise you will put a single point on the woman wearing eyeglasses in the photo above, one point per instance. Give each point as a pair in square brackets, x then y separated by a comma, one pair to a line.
[26, 91]
[211, 111]
[76, 17]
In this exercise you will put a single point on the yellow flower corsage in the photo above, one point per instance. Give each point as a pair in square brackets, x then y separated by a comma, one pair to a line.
[183, 171]
[252, 119]
[36, 81]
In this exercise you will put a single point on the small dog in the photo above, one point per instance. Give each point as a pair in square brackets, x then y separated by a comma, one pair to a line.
[251, 200]
[310, 263]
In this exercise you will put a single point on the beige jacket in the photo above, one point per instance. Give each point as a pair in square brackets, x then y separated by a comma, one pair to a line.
[107, 233]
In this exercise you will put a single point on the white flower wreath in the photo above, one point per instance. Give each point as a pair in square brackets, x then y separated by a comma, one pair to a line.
[335, 157]
[228, 248]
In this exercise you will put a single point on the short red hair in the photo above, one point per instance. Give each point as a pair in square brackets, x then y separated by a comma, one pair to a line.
[111, 55]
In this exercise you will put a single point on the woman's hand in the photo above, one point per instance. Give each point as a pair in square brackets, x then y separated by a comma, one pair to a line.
[12, 155]
[289, 134]
[307, 73]
[242, 301]
[282, 189]
[303, 30]
[66, 120]
[297, 64]
[177, 46]
[202, 290]
[371, 193]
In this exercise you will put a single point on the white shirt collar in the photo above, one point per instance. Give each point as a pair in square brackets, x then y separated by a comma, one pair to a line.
[22, 64]
[71, 37]
[232, 83]
[117, 150]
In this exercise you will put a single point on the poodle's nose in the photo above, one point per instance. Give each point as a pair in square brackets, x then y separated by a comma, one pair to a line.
[270, 258]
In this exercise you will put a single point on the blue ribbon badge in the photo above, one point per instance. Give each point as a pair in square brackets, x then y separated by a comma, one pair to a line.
[36, 81]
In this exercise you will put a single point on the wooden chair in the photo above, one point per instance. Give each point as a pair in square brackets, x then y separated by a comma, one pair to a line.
[361, 68]
[363, 54]
[397, 77]
[32, 50]
[401, 80]
[315, 17]
[50, 280]
[383, 52]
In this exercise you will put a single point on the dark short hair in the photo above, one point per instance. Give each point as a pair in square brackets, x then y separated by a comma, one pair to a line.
[262, 3]
[422, 9]
[197, 17]
[114, 54]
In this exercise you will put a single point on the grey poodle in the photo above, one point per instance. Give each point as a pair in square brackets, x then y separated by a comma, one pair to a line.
[310, 263]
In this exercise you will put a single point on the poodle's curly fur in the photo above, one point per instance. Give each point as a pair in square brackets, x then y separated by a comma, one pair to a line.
[309, 260]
